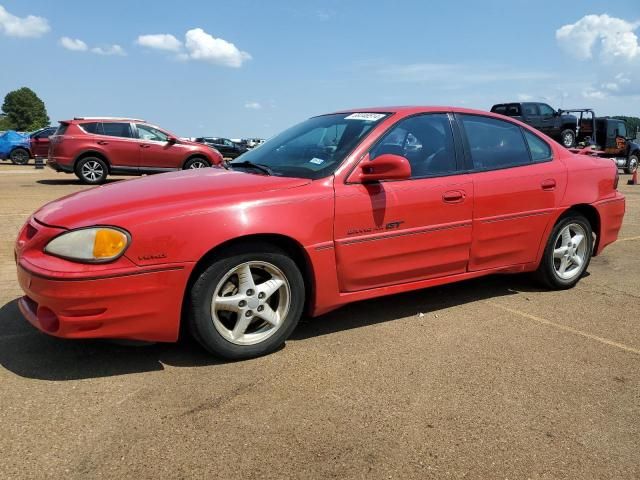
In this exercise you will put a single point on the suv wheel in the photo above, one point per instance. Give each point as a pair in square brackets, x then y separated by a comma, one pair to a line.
[568, 138]
[632, 164]
[19, 156]
[91, 170]
[197, 162]
[567, 254]
[247, 303]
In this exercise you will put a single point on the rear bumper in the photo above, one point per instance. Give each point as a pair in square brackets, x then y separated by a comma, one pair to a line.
[611, 212]
[59, 167]
[142, 306]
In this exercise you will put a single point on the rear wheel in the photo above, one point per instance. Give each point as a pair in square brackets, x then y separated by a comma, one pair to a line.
[19, 156]
[196, 163]
[247, 303]
[568, 138]
[567, 254]
[91, 170]
[632, 164]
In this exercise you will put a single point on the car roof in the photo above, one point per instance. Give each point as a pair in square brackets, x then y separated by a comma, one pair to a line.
[104, 119]
[413, 109]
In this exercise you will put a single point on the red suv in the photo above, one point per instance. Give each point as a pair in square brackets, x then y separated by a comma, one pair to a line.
[93, 148]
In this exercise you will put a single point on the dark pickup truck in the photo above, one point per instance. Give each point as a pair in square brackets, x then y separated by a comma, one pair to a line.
[559, 126]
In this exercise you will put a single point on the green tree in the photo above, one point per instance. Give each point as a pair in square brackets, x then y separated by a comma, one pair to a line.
[24, 110]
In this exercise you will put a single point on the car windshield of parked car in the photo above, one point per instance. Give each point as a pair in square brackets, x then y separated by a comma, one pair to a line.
[312, 149]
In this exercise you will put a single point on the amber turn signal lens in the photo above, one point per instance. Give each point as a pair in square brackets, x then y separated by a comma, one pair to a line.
[108, 243]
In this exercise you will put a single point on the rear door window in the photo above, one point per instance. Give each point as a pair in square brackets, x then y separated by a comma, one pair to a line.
[493, 143]
[91, 127]
[117, 129]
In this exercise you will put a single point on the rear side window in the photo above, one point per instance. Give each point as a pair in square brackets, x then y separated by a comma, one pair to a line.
[494, 143]
[540, 150]
[92, 127]
[116, 129]
[62, 129]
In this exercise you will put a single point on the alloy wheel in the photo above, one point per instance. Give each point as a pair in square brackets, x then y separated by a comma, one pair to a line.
[570, 251]
[92, 170]
[198, 164]
[567, 140]
[250, 303]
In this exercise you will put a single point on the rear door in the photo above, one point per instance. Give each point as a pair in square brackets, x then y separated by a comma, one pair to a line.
[517, 184]
[116, 140]
[531, 115]
[549, 121]
[395, 232]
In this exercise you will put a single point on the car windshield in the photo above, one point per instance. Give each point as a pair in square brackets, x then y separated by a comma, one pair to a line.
[312, 149]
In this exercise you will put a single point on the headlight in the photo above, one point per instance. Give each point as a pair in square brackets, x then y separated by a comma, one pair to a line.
[91, 245]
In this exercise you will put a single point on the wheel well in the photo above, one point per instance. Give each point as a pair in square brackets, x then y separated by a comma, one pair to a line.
[197, 155]
[92, 153]
[592, 215]
[287, 244]
[20, 147]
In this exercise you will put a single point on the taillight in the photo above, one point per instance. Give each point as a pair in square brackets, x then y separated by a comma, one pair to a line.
[615, 180]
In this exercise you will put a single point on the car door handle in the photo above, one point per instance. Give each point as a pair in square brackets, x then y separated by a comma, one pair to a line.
[453, 196]
[145, 146]
[102, 142]
[549, 184]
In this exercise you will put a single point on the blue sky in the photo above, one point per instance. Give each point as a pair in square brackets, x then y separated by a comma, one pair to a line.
[252, 68]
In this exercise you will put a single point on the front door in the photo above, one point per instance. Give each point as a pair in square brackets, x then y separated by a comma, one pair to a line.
[394, 232]
[517, 184]
[156, 152]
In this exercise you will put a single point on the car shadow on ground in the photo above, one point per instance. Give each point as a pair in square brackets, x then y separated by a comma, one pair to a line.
[28, 353]
[72, 180]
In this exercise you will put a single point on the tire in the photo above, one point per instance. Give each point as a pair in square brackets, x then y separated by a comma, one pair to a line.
[550, 271]
[92, 170]
[233, 329]
[568, 138]
[632, 164]
[196, 162]
[19, 156]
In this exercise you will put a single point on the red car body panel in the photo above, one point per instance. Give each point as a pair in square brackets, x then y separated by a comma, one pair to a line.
[357, 241]
[123, 154]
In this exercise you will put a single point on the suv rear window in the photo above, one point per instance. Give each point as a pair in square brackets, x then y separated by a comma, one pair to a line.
[62, 129]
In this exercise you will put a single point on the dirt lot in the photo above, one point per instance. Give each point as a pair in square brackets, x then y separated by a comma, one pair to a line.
[491, 378]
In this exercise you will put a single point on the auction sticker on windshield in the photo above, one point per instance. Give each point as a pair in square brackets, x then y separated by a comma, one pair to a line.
[369, 117]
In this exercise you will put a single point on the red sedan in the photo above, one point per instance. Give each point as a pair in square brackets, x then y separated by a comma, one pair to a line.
[339, 208]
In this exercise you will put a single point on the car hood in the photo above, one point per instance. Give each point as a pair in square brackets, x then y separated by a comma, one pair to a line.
[144, 199]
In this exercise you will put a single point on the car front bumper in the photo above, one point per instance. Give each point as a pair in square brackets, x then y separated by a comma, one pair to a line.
[142, 305]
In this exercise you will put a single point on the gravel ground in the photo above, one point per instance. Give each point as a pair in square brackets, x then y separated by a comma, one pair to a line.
[491, 378]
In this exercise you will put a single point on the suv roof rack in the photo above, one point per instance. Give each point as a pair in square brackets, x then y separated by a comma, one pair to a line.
[110, 118]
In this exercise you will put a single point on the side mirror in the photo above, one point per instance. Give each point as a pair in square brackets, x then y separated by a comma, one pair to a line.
[172, 140]
[385, 167]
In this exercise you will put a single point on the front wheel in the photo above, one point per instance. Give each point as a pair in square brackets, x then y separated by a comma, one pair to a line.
[19, 156]
[196, 163]
[567, 254]
[632, 164]
[568, 138]
[247, 303]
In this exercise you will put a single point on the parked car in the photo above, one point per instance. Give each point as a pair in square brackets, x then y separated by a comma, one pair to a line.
[94, 147]
[331, 211]
[226, 147]
[39, 141]
[554, 123]
[15, 146]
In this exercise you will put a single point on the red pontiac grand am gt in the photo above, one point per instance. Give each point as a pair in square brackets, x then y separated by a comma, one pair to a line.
[339, 208]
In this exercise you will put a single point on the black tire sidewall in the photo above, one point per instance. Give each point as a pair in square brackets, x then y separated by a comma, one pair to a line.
[78, 170]
[14, 151]
[547, 270]
[202, 292]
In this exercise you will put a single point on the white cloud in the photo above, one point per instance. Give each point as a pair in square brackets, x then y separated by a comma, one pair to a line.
[109, 50]
[74, 44]
[608, 37]
[202, 46]
[160, 41]
[252, 105]
[23, 27]
[525, 97]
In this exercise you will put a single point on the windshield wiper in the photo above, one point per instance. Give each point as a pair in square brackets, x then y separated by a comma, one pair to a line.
[257, 166]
